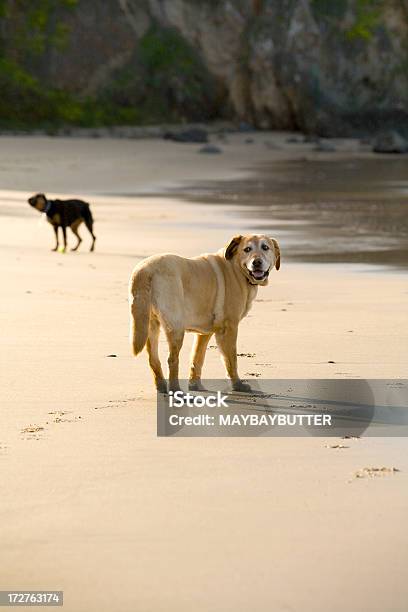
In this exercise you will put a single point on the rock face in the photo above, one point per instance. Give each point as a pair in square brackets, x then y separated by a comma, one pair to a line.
[333, 68]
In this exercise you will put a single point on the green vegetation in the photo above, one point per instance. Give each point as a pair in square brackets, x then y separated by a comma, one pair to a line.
[367, 19]
[366, 16]
[29, 29]
[167, 80]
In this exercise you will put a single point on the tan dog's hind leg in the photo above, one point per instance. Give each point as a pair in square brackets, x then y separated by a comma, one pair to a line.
[152, 346]
[198, 356]
[175, 339]
[227, 343]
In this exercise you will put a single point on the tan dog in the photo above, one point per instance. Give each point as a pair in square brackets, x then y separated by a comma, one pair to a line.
[209, 294]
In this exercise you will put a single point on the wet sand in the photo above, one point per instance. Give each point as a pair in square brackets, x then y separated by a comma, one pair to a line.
[330, 211]
[92, 501]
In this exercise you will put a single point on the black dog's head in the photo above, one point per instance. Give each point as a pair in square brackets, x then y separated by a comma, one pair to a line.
[38, 201]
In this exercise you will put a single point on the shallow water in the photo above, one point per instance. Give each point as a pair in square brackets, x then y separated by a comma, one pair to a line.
[326, 211]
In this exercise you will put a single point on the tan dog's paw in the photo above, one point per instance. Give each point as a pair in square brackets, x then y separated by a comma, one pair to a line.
[161, 386]
[174, 387]
[240, 385]
[196, 385]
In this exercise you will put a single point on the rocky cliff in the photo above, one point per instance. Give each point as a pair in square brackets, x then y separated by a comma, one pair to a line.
[327, 66]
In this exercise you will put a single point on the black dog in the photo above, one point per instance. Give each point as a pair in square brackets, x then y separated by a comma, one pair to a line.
[65, 213]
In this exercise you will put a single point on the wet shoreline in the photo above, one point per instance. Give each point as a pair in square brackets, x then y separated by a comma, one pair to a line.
[327, 211]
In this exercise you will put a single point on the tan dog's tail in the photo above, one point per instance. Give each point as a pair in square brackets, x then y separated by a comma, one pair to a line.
[140, 302]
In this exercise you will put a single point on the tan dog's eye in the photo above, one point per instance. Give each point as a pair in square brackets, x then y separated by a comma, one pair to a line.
[247, 250]
[265, 247]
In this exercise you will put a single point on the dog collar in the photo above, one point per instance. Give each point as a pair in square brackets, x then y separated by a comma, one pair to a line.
[47, 206]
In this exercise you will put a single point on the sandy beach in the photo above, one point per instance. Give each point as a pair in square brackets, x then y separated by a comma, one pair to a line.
[92, 502]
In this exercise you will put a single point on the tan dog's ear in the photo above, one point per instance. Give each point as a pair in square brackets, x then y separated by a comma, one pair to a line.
[232, 247]
[277, 253]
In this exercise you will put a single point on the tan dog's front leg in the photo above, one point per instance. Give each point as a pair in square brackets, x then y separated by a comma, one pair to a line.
[198, 356]
[227, 343]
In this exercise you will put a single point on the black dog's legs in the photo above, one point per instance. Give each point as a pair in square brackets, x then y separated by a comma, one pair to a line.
[89, 225]
[87, 217]
[56, 238]
[74, 228]
[64, 233]
[93, 242]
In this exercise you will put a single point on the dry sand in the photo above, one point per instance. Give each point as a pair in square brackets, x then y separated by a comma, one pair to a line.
[92, 502]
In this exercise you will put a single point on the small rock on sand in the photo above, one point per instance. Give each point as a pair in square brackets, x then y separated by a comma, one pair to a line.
[390, 142]
[191, 135]
[210, 149]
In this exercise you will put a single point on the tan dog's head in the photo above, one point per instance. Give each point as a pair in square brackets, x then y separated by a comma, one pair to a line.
[255, 255]
[38, 201]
